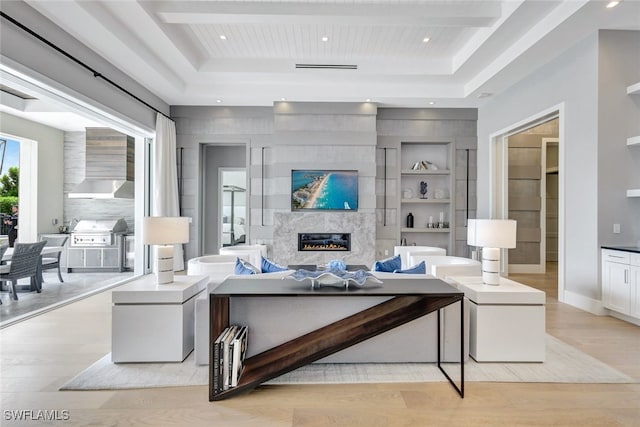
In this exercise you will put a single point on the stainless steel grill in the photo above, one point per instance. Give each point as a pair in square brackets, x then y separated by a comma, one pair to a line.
[97, 245]
[97, 233]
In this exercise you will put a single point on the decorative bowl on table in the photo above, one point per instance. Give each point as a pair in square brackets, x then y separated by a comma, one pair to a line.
[338, 278]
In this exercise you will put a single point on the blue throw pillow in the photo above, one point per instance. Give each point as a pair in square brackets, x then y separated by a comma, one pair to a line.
[388, 265]
[416, 269]
[271, 267]
[244, 267]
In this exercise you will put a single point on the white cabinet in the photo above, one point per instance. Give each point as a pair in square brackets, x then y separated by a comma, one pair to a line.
[154, 323]
[621, 282]
[506, 322]
[634, 275]
[427, 166]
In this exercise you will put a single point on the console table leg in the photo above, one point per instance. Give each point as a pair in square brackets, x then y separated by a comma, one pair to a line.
[460, 389]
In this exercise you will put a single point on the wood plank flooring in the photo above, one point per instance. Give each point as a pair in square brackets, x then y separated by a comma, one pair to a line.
[38, 355]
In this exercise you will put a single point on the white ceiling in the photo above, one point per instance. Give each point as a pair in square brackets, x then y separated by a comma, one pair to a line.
[475, 48]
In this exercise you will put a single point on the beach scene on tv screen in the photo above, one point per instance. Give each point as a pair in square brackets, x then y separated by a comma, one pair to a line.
[330, 190]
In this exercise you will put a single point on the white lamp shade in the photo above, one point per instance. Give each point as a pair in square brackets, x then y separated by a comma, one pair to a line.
[492, 233]
[165, 230]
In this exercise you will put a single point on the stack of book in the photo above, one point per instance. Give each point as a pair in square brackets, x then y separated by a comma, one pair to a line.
[229, 351]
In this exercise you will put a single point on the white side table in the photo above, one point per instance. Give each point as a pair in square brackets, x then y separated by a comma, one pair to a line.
[154, 323]
[507, 322]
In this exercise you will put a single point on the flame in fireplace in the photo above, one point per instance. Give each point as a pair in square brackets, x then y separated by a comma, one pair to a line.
[323, 247]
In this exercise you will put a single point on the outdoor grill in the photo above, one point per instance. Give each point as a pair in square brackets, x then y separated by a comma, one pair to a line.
[97, 245]
[97, 233]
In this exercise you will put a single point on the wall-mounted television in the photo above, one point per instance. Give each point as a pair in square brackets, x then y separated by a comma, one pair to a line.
[335, 190]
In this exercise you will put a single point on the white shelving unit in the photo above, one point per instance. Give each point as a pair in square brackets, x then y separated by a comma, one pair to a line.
[633, 141]
[427, 209]
[633, 89]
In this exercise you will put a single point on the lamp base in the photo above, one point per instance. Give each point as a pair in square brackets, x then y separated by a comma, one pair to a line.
[164, 264]
[491, 266]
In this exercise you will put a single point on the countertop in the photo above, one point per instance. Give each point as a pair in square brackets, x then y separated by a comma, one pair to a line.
[634, 249]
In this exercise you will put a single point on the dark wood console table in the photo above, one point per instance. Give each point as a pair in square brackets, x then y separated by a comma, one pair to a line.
[411, 299]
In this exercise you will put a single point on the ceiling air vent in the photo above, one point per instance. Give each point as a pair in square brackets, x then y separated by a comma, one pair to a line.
[328, 66]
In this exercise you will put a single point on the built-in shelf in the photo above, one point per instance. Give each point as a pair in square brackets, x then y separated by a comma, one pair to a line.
[634, 140]
[424, 230]
[416, 200]
[425, 172]
[633, 89]
[553, 169]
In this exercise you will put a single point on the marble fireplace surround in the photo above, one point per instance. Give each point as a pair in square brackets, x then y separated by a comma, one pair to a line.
[287, 225]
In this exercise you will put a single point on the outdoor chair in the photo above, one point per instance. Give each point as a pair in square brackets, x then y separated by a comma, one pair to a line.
[52, 261]
[24, 263]
[3, 249]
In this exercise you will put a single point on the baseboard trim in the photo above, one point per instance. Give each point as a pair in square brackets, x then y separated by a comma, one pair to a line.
[624, 317]
[585, 303]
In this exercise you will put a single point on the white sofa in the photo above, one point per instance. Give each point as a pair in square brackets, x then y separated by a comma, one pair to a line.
[446, 266]
[273, 321]
[405, 253]
[251, 253]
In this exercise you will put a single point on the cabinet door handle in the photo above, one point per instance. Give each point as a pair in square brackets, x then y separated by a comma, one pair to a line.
[626, 277]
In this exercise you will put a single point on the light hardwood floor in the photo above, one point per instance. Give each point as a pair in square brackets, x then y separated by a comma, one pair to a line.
[37, 356]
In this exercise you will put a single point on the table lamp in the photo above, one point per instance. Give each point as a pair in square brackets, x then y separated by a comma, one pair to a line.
[492, 235]
[164, 232]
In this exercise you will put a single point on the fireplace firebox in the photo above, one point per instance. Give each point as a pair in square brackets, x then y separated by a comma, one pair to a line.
[324, 242]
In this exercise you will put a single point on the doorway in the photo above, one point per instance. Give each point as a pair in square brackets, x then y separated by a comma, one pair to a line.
[232, 193]
[533, 196]
[216, 205]
[527, 182]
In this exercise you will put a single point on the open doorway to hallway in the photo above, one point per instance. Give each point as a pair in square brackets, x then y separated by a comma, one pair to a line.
[527, 185]
[533, 196]
[221, 207]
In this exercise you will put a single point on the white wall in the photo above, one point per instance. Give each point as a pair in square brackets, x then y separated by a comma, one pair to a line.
[619, 118]
[589, 81]
[50, 168]
[199, 126]
[572, 80]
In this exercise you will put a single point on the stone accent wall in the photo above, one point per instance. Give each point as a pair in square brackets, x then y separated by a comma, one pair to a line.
[287, 225]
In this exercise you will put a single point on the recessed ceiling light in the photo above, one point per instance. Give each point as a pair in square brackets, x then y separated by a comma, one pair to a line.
[223, 37]
[283, 99]
[218, 101]
[425, 40]
[432, 102]
[368, 100]
[484, 94]
[612, 4]
[325, 38]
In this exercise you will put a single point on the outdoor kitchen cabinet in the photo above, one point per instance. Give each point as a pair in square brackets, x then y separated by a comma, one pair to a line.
[97, 258]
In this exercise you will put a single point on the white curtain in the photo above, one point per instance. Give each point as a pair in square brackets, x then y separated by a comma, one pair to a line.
[165, 178]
